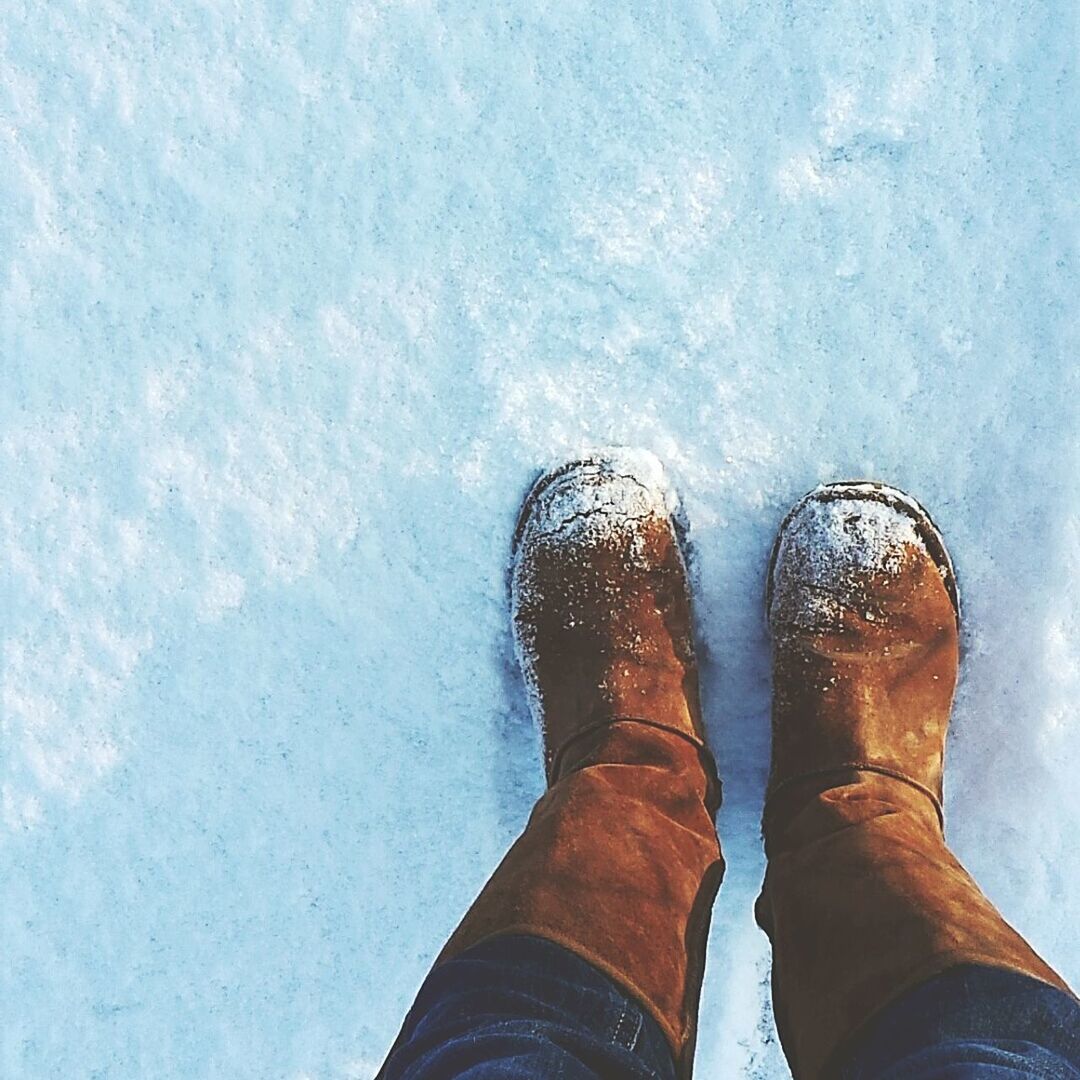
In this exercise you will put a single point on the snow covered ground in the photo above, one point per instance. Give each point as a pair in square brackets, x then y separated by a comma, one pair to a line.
[297, 299]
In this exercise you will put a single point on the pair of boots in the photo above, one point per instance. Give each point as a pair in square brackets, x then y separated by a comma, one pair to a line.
[620, 861]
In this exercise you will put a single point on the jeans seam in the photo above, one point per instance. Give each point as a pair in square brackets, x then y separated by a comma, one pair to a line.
[616, 1034]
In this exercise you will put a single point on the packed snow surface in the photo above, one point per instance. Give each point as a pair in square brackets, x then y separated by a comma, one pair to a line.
[299, 298]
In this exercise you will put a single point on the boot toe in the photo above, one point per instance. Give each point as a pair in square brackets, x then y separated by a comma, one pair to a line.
[842, 545]
[606, 495]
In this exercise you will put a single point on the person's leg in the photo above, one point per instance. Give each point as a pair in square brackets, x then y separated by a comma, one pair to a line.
[969, 1023]
[862, 899]
[522, 1007]
[620, 862]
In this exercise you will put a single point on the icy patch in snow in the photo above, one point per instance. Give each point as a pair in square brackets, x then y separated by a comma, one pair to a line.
[827, 550]
[859, 132]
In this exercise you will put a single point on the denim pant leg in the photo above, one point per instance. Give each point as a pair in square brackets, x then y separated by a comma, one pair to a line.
[518, 1007]
[970, 1023]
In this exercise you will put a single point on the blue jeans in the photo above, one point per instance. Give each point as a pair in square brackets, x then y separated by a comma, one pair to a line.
[518, 1008]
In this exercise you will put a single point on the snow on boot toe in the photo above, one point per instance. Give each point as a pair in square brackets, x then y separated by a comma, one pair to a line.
[601, 495]
[840, 545]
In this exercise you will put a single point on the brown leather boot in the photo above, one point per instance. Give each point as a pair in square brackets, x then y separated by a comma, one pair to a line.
[620, 861]
[862, 900]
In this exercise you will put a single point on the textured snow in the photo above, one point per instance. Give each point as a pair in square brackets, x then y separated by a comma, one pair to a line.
[297, 300]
